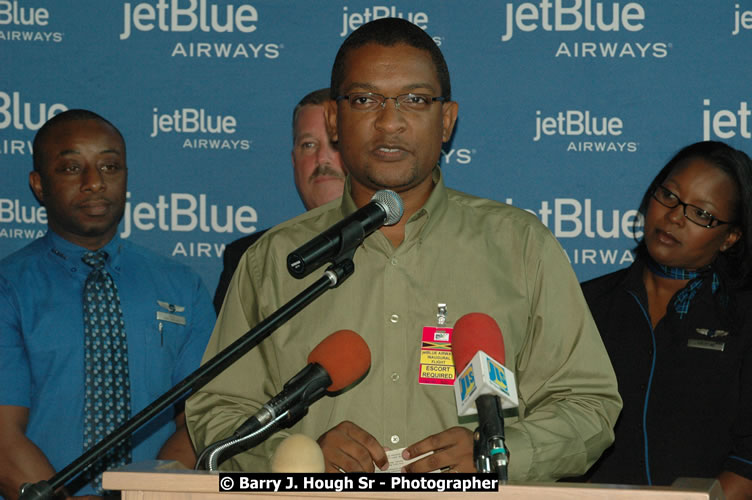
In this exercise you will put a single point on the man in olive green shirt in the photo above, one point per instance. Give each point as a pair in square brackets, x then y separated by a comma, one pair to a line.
[469, 253]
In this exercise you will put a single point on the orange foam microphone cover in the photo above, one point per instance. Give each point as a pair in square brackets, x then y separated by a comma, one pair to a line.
[475, 332]
[344, 355]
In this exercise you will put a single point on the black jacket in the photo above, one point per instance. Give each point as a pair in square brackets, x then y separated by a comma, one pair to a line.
[687, 403]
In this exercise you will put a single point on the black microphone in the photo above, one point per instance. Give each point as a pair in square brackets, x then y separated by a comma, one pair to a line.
[384, 209]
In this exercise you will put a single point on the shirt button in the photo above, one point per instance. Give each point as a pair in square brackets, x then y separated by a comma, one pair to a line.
[394, 318]
[394, 261]
[395, 377]
[394, 439]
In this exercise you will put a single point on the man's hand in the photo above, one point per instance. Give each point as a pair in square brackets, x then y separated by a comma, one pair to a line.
[21, 461]
[735, 487]
[452, 450]
[178, 446]
[348, 448]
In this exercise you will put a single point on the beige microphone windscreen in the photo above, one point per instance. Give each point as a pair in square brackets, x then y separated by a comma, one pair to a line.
[298, 453]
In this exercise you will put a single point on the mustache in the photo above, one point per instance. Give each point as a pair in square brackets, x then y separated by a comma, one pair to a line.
[326, 170]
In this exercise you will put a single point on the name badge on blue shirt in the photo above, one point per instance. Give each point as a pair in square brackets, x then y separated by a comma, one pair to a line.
[170, 307]
[172, 318]
[170, 315]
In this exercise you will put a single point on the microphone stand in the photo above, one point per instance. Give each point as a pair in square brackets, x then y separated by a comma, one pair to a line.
[212, 453]
[248, 436]
[335, 275]
[489, 450]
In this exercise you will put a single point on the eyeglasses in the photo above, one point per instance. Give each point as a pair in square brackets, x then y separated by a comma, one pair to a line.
[368, 101]
[694, 213]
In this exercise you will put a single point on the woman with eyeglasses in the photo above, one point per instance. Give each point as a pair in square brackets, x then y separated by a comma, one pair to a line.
[678, 327]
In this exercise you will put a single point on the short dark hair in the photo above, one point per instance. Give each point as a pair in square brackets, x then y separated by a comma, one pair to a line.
[388, 32]
[46, 130]
[315, 98]
[736, 262]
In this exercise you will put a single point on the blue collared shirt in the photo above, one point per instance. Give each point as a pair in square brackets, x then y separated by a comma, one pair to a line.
[41, 338]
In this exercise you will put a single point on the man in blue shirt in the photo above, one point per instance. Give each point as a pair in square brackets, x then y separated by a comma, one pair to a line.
[80, 176]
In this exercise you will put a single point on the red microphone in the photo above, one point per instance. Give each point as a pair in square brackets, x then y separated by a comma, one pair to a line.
[478, 352]
[336, 362]
[483, 386]
[474, 332]
[344, 355]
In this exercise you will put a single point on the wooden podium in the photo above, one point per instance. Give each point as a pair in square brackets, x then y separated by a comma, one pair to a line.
[161, 480]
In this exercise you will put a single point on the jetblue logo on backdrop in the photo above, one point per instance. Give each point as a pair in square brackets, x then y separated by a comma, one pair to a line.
[573, 218]
[558, 17]
[207, 16]
[593, 134]
[13, 212]
[176, 212]
[179, 17]
[214, 130]
[726, 123]
[613, 50]
[742, 20]
[353, 20]
[584, 15]
[26, 18]
[185, 212]
[21, 116]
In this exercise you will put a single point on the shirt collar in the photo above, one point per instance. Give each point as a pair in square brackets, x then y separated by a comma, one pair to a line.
[633, 283]
[436, 205]
[69, 254]
[432, 210]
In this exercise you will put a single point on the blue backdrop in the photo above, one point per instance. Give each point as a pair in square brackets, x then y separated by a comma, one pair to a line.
[568, 108]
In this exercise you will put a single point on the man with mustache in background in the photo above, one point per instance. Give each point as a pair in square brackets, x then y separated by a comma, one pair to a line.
[319, 176]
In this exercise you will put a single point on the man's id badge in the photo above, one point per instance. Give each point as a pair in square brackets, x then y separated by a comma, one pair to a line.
[436, 363]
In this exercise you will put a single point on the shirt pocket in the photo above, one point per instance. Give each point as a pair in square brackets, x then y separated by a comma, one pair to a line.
[54, 342]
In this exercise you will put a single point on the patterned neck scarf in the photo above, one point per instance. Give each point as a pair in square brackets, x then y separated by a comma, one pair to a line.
[684, 297]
